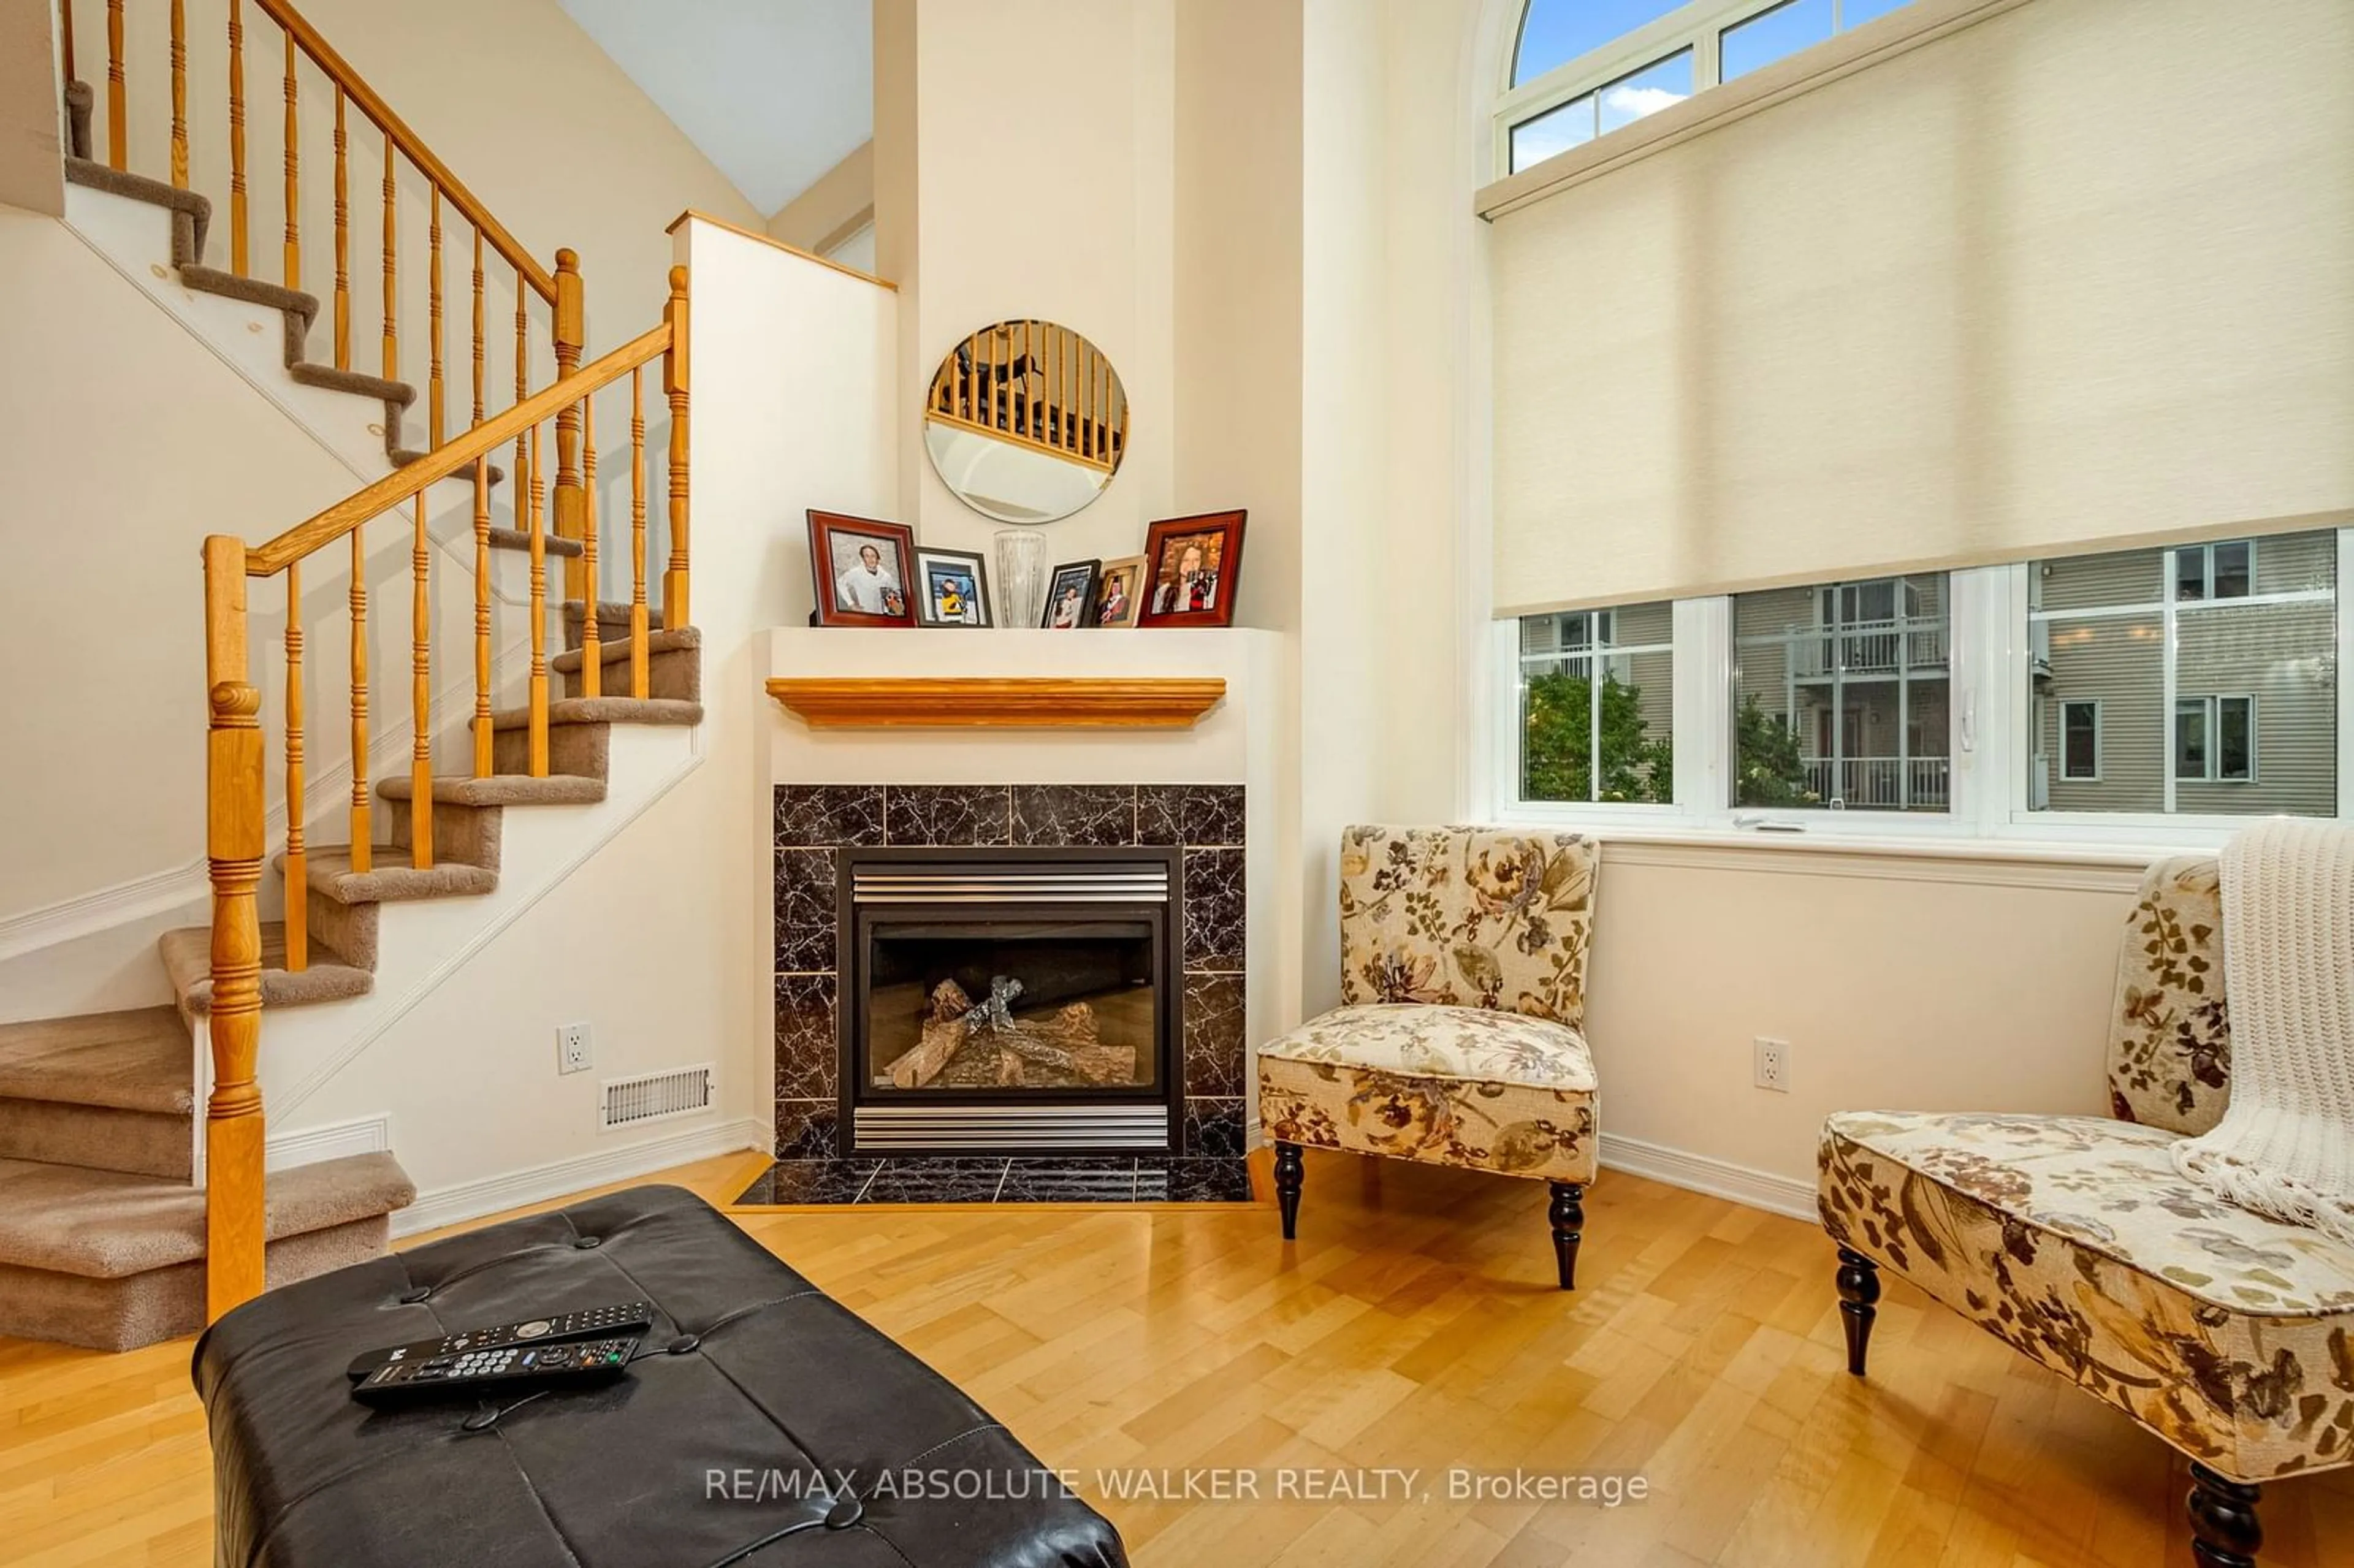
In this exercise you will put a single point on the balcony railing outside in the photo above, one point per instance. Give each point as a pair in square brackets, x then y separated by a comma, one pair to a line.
[1869, 648]
[1882, 783]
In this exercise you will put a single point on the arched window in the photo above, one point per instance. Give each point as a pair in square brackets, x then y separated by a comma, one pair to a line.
[1582, 68]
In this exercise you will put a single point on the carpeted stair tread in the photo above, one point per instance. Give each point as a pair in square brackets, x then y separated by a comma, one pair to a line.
[357, 382]
[391, 879]
[136, 1061]
[260, 291]
[106, 1224]
[605, 710]
[188, 956]
[144, 1143]
[516, 539]
[197, 209]
[81, 99]
[617, 652]
[504, 790]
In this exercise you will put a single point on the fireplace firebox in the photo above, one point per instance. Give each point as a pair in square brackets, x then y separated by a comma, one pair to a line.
[1010, 1001]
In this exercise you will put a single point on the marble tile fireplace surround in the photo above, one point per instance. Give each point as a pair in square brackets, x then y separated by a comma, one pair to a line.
[1182, 797]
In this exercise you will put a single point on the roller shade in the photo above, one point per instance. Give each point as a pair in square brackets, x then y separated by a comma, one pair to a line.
[2078, 275]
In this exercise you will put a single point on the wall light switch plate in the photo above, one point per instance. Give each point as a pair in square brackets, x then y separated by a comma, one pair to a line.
[574, 1052]
[1773, 1065]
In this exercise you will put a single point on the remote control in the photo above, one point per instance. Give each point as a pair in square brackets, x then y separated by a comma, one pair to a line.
[511, 1369]
[557, 1326]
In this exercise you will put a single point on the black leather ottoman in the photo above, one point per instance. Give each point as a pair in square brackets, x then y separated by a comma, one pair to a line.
[767, 1426]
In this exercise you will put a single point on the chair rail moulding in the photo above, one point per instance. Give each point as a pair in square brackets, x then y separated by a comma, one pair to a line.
[1019, 702]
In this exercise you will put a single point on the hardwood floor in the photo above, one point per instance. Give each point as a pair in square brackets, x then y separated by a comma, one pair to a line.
[1413, 1326]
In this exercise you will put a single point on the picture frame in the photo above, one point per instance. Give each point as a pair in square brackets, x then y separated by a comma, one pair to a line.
[951, 587]
[851, 588]
[1193, 569]
[1070, 591]
[1119, 593]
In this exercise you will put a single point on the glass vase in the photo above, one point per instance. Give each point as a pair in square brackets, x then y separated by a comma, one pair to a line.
[1020, 576]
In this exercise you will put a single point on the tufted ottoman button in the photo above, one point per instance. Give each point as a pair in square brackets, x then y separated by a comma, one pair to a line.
[480, 1421]
[682, 1344]
[844, 1514]
[412, 1298]
[585, 1242]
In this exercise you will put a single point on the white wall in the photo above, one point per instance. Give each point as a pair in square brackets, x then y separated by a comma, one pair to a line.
[662, 941]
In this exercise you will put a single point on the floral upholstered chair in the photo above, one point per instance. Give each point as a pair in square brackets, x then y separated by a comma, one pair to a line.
[2073, 1240]
[1457, 1043]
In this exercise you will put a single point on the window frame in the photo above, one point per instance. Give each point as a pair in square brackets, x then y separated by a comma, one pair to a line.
[1990, 650]
[2065, 777]
[1699, 26]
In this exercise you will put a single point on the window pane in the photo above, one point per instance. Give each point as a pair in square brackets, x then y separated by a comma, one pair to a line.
[2190, 572]
[1842, 698]
[1768, 36]
[2235, 739]
[1855, 13]
[2190, 738]
[1556, 130]
[2232, 565]
[1647, 91]
[1598, 683]
[1555, 32]
[2080, 741]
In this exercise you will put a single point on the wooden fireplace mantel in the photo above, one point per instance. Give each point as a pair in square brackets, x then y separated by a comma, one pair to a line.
[1025, 702]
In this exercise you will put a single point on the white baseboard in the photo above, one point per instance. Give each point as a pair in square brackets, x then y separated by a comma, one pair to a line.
[1704, 1173]
[472, 1200]
[331, 1140]
[1693, 1172]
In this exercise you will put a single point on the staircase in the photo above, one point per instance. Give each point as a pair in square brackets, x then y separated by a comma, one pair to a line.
[124, 1216]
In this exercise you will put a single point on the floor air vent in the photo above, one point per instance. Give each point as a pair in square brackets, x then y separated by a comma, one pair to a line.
[656, 1096]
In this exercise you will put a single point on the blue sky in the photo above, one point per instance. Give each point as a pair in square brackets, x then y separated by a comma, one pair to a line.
[1557, 31]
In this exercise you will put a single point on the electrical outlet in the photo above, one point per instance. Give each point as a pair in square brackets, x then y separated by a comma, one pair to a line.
[1773, 1065]
[575, 1052]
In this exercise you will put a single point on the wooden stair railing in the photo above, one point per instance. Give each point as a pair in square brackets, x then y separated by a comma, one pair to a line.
[237, 792]
[404, 160]
[1038, 385]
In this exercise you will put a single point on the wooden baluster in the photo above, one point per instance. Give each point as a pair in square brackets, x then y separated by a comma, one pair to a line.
[179, 94]
[362, 843]
[674, 378]
[298, 858]
[433, 395]
[234, 845]
[420, 696]
[523, 375]
[482, 748]
[568, 338]
[293, 252]
[538, 739]
[391, 272]
[342, 240]
[65, 18]
[118, 107]
[237, 259]
[478, 333]
[640, 670]
[592, 672]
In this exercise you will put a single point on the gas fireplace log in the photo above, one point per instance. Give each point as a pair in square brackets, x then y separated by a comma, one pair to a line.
[942, 1039]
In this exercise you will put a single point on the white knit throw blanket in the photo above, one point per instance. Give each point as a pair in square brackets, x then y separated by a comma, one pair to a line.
[2285, 1146]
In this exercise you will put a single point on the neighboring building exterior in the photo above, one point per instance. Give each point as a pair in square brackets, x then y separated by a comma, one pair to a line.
[1859, 669]
[2253, 723]
[1560, 645]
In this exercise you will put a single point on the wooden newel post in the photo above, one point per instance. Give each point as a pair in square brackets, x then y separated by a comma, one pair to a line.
[674, 377]
[570, 334]
[233, 847]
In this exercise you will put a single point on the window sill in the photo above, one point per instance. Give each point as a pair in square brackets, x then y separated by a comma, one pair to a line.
[1944, 858]
[1819, 65]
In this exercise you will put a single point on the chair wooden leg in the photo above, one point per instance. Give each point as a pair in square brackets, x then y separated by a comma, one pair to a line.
[2224, 1525]
[1568, 1216]
[1859, 1292]
[1287, 1176]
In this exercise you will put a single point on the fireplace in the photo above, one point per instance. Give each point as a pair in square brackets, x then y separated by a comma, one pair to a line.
[1010, 1000]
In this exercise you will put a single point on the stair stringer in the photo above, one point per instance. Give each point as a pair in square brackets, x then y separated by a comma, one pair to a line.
[135, 238]
[422, 943]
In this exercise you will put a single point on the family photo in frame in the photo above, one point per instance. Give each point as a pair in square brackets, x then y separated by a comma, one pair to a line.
[862, 570]
[1194, 566]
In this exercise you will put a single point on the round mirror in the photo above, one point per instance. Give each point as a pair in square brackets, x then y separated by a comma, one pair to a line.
[1026, 421]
